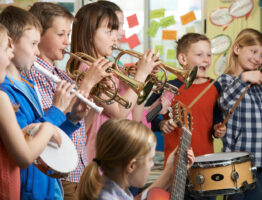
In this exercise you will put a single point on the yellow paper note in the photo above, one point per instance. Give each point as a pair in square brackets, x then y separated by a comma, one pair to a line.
[187, 18]
[171, 54]
[160, 48]
[167, 21]
[169, 35]
[153, 28]
[157, 13]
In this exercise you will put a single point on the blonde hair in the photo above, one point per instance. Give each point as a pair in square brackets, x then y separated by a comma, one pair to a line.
[118, 142]
[247, 37]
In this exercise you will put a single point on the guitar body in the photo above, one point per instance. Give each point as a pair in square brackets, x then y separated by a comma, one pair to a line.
[158, 194]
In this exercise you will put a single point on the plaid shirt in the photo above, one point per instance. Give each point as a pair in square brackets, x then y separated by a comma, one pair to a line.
[244, 127]
[47, 88]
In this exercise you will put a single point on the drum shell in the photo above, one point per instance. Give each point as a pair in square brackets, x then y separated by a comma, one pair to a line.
[218, 176]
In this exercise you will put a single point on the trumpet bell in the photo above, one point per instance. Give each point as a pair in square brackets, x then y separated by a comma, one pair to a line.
[191, 77]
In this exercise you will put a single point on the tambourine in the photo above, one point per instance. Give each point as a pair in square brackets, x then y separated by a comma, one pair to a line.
[54, 161]
[221, 43]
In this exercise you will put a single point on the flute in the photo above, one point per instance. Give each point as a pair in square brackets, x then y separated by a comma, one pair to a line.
[56, 79]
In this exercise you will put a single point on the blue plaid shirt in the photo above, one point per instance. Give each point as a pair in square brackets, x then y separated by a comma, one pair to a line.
[244, 127]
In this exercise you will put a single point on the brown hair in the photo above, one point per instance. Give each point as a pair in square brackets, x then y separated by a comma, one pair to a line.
[183, 44]
[87, 21]
[110, 5]
[246, 37]
[46, 12]
[118, 142]
[17, 21]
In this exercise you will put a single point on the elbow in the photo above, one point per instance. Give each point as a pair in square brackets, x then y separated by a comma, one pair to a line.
[24, 163]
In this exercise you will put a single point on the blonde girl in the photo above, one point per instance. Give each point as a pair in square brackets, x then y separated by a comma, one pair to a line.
[124, 153]
[244, 126]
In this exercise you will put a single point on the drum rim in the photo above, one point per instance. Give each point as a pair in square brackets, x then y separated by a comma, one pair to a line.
[219, 163]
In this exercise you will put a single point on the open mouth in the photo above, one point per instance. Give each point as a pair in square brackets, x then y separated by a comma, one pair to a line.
[202, 68]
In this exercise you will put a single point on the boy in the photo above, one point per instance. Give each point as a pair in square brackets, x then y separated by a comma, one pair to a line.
[56, 22]
[25, 31]
[194, 50]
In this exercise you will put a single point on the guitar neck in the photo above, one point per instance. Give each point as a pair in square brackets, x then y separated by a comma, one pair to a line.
[153, 113]
[179, 181]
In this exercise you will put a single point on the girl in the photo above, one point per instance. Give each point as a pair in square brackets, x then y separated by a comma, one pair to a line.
[124, 152]
[15, 151]
[94, 32]
[244, 126]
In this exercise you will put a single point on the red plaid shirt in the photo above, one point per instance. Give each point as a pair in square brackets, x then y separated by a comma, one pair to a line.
[47, 90]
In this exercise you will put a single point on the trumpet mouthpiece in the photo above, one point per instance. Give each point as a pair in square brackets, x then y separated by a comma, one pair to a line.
[115, 47]
[65, 51]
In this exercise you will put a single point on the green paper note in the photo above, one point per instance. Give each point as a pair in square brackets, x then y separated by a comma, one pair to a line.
[167, 21]
[171, 54]
[157, 13]
[160, 48]
[153, 28]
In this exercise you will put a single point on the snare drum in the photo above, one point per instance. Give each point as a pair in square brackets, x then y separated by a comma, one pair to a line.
[57, 162]
[221, 174]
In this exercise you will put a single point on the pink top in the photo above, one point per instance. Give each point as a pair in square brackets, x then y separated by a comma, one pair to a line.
[98, 120]
[9, 176]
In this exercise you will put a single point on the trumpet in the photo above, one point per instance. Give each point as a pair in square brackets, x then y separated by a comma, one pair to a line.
[187, 76]
[102, 88]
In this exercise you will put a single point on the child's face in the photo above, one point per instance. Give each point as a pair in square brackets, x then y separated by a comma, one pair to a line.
[104, 39]
[121, 31]
[6, 54]
[198, 54]
[55, 40]
[144, 166]
[26, 49]
[249, 57]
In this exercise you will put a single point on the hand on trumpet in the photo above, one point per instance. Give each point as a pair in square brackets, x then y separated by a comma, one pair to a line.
[95, 74]
[146, 64]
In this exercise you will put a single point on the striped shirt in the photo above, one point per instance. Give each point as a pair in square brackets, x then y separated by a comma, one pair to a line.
[244, 127]
[47, 88]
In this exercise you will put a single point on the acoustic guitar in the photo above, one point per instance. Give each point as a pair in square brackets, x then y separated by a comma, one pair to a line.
[182, 116]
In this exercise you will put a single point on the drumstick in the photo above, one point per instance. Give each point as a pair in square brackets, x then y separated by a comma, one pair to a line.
[235, 106]
[201, 94]
[56, 79]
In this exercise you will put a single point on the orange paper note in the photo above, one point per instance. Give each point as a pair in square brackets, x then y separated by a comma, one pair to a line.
[187, 18]
[169, 35]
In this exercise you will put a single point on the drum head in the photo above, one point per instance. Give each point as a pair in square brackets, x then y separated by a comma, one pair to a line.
[219, 157]
[63, 159]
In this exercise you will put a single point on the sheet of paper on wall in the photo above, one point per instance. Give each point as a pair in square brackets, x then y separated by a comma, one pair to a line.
[167, 21]
[169, 35]
[157, 13]
[187, 18]
[136, 27]
[190, 29]
[153, 28]
[160, 48]
[6, 1]
[171, 54]
[133, 41]
[132, 21]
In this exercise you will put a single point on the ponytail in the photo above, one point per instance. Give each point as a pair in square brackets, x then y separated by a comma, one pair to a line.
[91, 183]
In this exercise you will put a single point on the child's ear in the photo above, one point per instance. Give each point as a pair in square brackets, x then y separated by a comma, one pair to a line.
[236, 48]
[131, 166]
[182, 59]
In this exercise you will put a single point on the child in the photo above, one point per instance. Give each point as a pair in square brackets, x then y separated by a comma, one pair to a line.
[56, 22]
[25, 31]
[100, 24]
[244, 126]
[15, 151]
[124, 153]
[194, 49]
